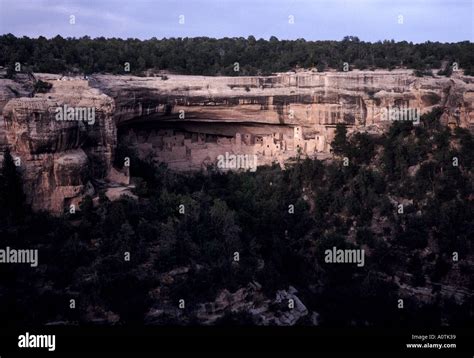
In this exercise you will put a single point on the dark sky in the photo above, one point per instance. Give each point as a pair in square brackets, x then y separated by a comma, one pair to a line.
[370, 20]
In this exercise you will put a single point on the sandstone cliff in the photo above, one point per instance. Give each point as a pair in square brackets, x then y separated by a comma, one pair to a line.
[270, 117]
[57, 158]
[307, 99]
[273, 118]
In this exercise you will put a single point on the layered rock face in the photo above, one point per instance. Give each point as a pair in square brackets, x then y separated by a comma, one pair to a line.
[58, 157]
[273, 118]
[191, 122]
[9, 89]
[306, 99]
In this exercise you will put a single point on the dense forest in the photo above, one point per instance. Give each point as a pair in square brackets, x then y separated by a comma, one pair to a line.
[82, 254]
[208, 56]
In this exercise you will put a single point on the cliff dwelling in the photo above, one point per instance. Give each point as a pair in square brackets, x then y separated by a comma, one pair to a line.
[193, 145]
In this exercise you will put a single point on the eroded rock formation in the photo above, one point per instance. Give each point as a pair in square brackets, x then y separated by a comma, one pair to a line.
[58, 158]
[307, 99]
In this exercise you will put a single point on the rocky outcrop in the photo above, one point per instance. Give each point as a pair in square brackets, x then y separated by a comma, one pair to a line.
[9, 89]
[58, 157]
[285, 309]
